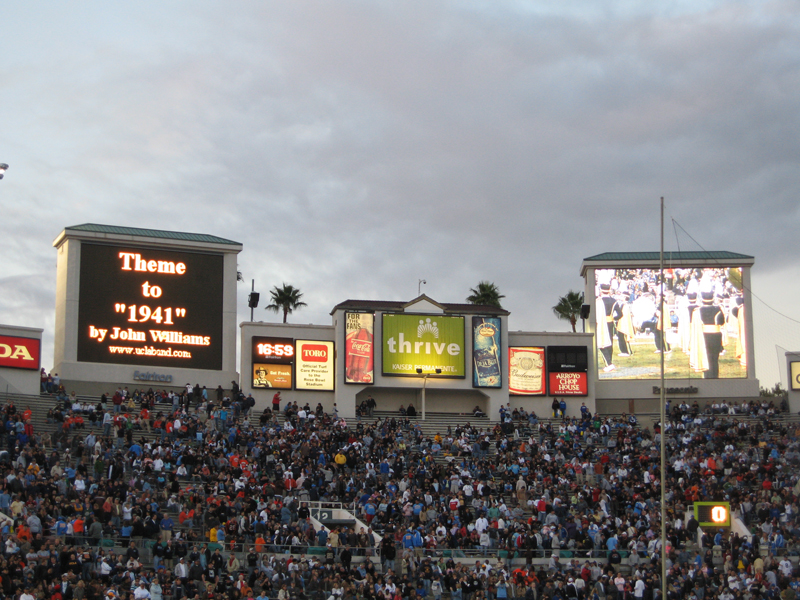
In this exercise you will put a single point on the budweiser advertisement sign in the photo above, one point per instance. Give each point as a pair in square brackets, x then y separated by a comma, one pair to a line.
[19, 352]
[526, 371]
[313, 365]
[569, 384]
[358, 348]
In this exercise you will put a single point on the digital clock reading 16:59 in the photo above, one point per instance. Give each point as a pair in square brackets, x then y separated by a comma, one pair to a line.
[277, 350]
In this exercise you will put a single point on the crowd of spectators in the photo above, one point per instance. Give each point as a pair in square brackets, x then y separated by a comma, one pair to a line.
[171, 495]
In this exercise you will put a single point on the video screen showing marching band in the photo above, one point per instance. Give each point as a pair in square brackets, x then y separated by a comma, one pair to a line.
[701, 333]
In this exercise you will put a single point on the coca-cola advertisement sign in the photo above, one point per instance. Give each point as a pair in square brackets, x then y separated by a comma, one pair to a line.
[358, 348]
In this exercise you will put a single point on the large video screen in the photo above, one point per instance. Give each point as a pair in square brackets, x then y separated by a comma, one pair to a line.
[150, 307]
[701, 334]
[427, 342]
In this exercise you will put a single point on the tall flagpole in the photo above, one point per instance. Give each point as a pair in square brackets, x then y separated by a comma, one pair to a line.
[663, 423]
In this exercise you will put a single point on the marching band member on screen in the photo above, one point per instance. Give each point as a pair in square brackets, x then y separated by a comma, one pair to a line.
[708, 322]
[686, 306]
[738, 314]
[608, 312]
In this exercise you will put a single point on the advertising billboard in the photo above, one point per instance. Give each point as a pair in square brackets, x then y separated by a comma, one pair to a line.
[150, 307]
[359, 357]
[567, 370]
[702, 333]
[19, 352]
[427, 342]
[314, 365]
[487, 368]
[794, 375]
[569, 384]
[272, 360]
[526, 371]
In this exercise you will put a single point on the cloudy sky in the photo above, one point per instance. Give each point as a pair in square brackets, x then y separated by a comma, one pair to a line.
[356, 147]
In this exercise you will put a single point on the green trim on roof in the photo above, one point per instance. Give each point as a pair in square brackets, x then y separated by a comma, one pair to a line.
[669, 256]
[152, 233]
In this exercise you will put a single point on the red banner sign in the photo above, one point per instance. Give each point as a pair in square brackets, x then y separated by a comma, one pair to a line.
[569, 384]
[19, 353]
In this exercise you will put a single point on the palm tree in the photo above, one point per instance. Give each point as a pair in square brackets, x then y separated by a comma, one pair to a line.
[485, 294]
[286, 299]
[569, 308]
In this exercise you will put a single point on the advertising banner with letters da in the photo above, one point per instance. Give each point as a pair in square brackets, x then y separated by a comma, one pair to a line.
[486, 366]
[19, 352]
[526, 371]
[427, 342]
[272, 360]
[569, 384]
[359, 357]
[314, 365]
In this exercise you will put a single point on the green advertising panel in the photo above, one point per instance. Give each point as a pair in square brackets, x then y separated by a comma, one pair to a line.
[426, 342]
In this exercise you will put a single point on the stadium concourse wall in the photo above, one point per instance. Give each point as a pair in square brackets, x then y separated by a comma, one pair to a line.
[442, 394]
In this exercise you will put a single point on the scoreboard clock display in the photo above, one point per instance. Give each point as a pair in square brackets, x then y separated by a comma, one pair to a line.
[713, 514]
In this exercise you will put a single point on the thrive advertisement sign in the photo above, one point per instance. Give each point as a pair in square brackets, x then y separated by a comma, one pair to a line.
[426, 342]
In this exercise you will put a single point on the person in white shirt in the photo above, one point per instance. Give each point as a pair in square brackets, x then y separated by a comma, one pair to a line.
[141, 592]
[481, 524]
[181, 570]
[638, 588]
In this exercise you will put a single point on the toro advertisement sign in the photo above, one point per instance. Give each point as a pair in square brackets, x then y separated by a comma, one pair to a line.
[314, 365]
[427, 342]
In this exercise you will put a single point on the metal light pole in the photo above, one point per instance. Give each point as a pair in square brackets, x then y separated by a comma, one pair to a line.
[663, 424]
[424, 385]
